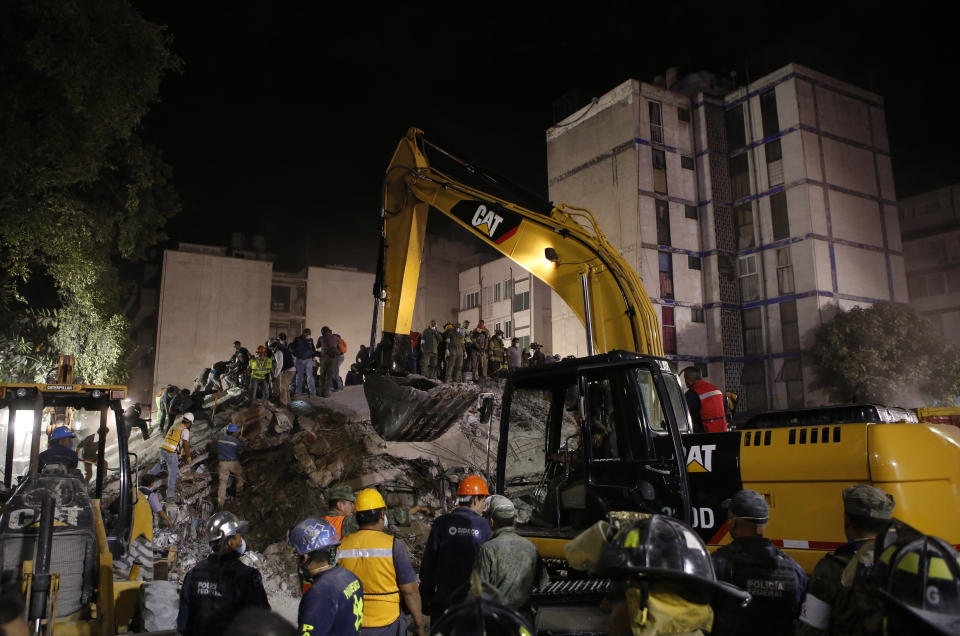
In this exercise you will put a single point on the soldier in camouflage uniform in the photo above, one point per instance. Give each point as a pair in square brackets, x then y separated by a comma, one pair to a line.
[833, 605]
[496, 354]
[429, 347]
[341, 501]
[507, 561]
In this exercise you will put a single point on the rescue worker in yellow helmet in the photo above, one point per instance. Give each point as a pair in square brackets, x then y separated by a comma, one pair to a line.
[176, 444]
[383, 566]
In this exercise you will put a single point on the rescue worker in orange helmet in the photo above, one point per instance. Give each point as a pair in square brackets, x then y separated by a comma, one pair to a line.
[383, 566]
[454, 541]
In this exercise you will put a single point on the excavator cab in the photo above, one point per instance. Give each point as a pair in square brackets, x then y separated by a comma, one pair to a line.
[63, 529]
[583, 437]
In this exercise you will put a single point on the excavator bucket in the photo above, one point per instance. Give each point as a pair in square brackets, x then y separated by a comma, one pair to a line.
[416, 409]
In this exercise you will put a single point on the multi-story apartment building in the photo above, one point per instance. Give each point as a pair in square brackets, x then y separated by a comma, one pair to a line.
[930, 224]
[751, 214]
[506, 297]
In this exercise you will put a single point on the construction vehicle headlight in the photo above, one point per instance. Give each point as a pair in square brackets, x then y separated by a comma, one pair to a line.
[96, 393]
[21, 392]
[551, 255]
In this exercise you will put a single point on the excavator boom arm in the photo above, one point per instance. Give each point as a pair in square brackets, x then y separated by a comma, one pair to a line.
[571, 256]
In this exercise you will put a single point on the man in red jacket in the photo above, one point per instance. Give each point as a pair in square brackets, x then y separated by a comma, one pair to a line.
[705, 402]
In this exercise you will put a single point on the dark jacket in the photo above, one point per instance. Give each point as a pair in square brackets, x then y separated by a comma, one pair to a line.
[332, 606]
[454, 541]
[58, 454]
[302, 347]
[776, 582]
[215, 591]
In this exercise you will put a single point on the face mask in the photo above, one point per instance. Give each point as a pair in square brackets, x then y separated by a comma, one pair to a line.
[385, 522]
[243, 546]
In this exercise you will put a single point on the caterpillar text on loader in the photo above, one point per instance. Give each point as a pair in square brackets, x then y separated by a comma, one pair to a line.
[59, 536]
[610, 432]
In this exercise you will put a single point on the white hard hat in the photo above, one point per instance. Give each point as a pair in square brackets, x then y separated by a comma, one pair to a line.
[188, 417]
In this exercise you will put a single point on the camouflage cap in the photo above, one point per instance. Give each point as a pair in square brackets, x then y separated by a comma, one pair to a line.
[867, 501]
[748, 504]
[338, 493]
[500, 508]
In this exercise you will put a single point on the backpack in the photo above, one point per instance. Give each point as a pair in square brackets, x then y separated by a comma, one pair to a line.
[343, 345]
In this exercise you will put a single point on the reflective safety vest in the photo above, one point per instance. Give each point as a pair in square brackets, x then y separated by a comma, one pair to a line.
[369, 555]
[260, 368]
[337, 522]
[171, 443]
[712, 413]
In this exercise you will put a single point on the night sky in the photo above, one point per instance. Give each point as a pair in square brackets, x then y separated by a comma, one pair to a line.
[284, 118]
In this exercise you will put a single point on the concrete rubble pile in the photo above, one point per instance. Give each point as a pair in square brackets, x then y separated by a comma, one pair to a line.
[293, 455]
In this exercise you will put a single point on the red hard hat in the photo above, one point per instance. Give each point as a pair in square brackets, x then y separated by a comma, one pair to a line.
[261, 349]
[472, 485]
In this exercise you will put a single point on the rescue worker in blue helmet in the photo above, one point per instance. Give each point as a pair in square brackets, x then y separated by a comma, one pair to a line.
[60, 450]
[229, 447]
[334, 603]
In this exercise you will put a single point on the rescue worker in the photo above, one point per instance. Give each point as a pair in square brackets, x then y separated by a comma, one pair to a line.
[514, 355]
[507, 561]
[826, 610]
[483, 612]
[147, 488]
[920, 589]
[480, 339]
[452, 545]
[537, 357]
[273, 350]
[751, 562]
[664, 579]
[303, 353]
[287, 370]
[330, 355]
[60, 450]
[132, 419]
[383, 566]
[261, 368]
[229, 447]
[334, 603]
[87, 451]
[164, 398]
[341, 507]
[220, 586]
[175, 444]
[453, 342]
[706, 404]
[495, 355]
[429, 344]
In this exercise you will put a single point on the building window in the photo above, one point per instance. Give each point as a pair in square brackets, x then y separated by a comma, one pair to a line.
[280, 298]
[508, 329]
[659, 171]
[696, 314]
[744, 216]
[768, 113]
[524, 342]
[471, 300]
[496, 291]
[784, 272]
[691, 212]
[749, 278]
[521, 301]
[656, 123]
[791, 373]
[953, 280]
[752, 332]
[739, 177]
[507, 289]
[497, 328]
[663, 222]
[789, 326]
[778, 213]
[736, 132]
[686, 162]
[774, 154]
[693, 262]
[683, 114]
[754, 386]
[666, 274]
[669, 331]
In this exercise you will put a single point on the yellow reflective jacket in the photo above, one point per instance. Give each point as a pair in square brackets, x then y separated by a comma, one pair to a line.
[369, 555]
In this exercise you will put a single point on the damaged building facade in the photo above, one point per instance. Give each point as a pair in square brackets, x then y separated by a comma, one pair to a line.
[750, 213]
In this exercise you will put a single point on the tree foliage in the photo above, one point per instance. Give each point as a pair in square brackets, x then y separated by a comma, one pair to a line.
[80, 192]
[886, 354]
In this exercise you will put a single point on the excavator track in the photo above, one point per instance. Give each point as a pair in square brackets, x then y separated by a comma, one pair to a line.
[414, 408]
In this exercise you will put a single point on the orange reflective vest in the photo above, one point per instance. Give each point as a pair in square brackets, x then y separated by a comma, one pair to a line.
[337, 522]
[712, 413]
[369, 555]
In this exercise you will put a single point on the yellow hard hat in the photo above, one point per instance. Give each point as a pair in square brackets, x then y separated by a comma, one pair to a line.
[369, 499]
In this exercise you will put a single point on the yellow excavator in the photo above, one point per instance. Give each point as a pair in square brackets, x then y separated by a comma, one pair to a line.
[63, 548]
[585, 437]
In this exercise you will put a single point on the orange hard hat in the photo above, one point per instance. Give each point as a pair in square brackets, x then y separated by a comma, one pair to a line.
[472, 485]
[261, 349]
